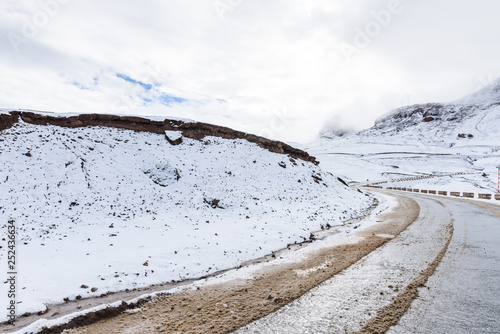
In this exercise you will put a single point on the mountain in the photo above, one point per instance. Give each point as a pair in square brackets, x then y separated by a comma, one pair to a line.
[121, 202]
[474, 118]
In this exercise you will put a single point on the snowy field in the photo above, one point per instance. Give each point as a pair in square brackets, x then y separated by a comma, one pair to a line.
[103, 209]
[374, 161]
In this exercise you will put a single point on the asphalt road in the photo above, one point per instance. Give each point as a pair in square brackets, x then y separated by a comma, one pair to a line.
[463, 295]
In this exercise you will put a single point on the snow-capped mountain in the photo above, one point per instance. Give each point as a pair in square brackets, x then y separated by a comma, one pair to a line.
[112, 203]
[475, 117]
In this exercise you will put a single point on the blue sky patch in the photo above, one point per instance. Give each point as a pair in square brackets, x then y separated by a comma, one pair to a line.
[129, 79]
[146, 101]
[169, 99]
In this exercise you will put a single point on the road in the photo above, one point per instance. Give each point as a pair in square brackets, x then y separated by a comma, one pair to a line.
[462, 295]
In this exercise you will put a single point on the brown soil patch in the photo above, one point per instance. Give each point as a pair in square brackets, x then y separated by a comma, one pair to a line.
[390, 314]
[226, 307]
[394, 222]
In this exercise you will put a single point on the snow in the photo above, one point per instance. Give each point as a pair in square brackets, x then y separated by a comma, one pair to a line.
[173, 135]
[37, 326]
[487, 96]
[116, 209]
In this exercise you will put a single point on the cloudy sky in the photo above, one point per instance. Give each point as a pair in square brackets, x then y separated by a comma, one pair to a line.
[279, 68]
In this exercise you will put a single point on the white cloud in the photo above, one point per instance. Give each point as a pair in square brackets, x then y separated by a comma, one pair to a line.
[277, 64]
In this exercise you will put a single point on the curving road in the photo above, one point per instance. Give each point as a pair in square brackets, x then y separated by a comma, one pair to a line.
[462, 294]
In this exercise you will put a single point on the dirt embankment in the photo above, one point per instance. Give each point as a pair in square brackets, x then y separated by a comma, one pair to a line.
[193, 130]
[226, 307]
[8, 120]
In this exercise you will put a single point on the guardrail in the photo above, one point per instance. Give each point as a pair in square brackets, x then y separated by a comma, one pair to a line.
[445, 193]
[423, 177]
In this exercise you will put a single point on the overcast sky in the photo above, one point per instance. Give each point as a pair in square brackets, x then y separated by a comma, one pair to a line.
[278, 68]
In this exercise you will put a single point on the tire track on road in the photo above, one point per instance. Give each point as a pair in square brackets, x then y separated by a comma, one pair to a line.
[390, 314]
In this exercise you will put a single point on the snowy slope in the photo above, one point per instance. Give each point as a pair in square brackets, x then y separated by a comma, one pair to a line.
[474, 118]
[114, 209]
[429, 139]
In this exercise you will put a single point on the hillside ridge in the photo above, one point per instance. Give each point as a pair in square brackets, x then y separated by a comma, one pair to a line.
[193, 130]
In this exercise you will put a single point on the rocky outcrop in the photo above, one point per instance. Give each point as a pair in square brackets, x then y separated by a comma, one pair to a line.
[193, 130]
[8, 120]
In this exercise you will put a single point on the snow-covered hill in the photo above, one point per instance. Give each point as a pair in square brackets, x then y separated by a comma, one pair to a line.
[110, 209]
[475, 118]
[428, 139]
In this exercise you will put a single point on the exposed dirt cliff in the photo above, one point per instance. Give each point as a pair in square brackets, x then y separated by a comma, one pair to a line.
[194, 130]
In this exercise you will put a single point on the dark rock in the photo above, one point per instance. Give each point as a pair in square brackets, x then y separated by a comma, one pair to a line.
[174, 142]
[214, 203]
[43, 312]
[342, 181]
